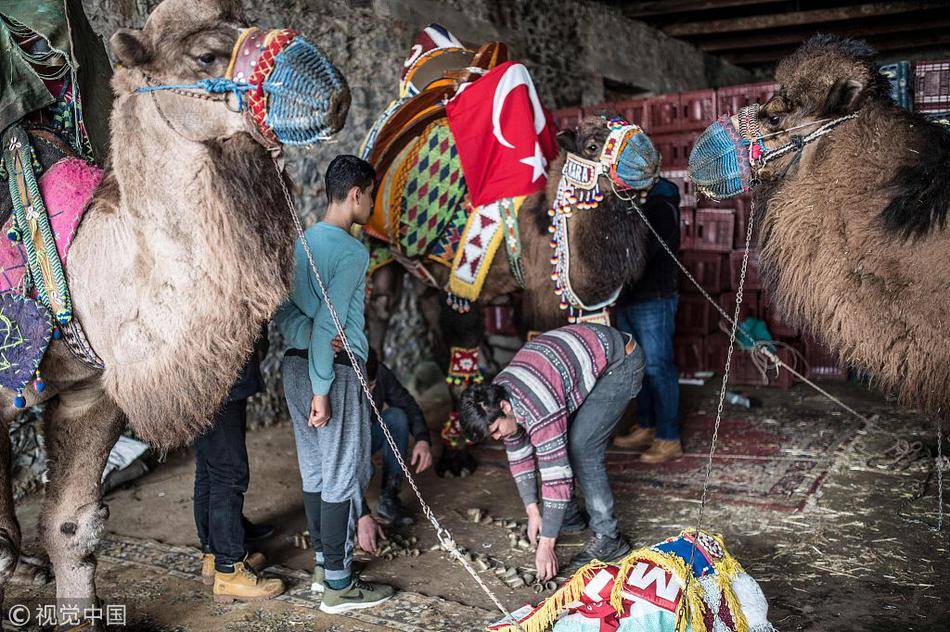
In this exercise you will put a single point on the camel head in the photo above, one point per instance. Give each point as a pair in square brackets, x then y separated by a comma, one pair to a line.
[825, 83]
[210, 75]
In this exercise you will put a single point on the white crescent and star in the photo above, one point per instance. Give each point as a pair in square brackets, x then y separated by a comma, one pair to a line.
[515, 76]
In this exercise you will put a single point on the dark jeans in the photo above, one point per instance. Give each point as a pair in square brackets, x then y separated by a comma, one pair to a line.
[588, 436]
[221, 479]
[398, 424]
[652, 323]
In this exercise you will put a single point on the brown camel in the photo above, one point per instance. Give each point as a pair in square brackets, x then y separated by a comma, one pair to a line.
[607, 251]
[184, 252]
[854, 242]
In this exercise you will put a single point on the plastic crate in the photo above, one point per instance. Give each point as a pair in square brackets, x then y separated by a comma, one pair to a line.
[500, 320]
[568, 118]
[688, 353]
[665, 114]
[823, 363]
[751, 305]
[710, 269]
[742, 369]
[714, 229]
[634, 111]
[743, 206]
[680, 177]
[932, 86]
[901, 80]
[695, 315]
[687, 227]
[674, 148]
[774, 319]
[753, 280]
[730, 99]
[698, 109]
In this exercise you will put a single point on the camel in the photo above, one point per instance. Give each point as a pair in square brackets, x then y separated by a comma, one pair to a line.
[853, 243]
[184, 253]
[607, 246]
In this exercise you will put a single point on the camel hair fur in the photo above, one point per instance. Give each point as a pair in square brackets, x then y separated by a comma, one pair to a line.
[854, 242]
[184, 253]
[607, 249]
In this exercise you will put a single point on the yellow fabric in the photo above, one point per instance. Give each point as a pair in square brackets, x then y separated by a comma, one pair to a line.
[471, 291]
[570, 592]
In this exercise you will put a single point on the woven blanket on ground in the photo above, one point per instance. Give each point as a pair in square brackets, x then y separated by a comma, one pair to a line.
[655, 589]
[66, 188]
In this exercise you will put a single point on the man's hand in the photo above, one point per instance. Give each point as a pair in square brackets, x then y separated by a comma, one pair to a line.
[319, 411]
[534, 523]
[421, 456]
[545, 560]
[337, 343]
[368, 531]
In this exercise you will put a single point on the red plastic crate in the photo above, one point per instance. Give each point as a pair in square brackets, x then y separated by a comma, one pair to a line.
[500, 320]
[823, 363]
[714, 228]
[753, 280]
[665, 114]
[568, 118]
[773, 318]
[634, 111]
[932, 86]
[742, 369]
[698, 109]
[688, 353]
[710, 269]
[695, 315]
[687, 227]
[674, 148]
[680, 178]
[751, 305]
[731, 98]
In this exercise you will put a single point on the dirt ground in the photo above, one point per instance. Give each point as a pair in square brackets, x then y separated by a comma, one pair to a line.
[846, 561]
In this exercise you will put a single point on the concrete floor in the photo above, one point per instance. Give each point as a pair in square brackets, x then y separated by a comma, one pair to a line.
[846, 562]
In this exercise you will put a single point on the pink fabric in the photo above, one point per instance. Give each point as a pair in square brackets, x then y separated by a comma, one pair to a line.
[66, 188]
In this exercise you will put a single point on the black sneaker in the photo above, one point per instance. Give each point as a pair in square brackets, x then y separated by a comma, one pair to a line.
[256, 532]
[603, 548]
[391, 512]
[575, 523]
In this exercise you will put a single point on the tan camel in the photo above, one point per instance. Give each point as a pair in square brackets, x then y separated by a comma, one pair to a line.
[854, 239]
[184, 252]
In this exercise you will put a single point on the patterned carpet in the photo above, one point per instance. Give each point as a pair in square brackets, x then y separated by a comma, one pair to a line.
[759, 461]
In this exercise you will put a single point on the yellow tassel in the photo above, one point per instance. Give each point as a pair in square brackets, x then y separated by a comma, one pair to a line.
[570, 592]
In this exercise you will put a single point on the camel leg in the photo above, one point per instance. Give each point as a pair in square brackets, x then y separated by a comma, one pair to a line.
[9, 527]
[387, 288]
[81, 429]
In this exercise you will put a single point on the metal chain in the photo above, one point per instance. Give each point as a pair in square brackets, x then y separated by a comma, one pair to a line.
[940, 465]
[443, 535]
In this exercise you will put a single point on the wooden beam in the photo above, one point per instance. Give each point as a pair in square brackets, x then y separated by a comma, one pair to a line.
[911, 41]
[796, 18]
[640, 10]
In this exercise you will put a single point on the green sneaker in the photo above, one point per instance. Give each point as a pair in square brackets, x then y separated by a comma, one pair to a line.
[316, 584]
[359, 595]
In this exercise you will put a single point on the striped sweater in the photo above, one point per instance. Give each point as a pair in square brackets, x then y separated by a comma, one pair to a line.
[547, 381]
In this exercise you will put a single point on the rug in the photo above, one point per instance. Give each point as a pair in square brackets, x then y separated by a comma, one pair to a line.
[762, 462]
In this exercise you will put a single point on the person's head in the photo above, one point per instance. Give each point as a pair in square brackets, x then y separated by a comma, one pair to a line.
[349, 183]
[484, 410]
[372, 367]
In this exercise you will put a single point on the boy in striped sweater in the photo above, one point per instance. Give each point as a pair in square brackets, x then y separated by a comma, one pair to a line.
[556, 406]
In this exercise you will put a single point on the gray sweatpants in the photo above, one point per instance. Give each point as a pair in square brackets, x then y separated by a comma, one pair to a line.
[334, 460]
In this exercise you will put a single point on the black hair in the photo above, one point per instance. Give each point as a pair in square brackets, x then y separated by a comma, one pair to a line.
[479, 407]
[372, 365]
[344, 173]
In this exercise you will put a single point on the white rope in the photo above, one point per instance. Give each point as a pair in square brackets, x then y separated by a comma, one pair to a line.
[443, 535]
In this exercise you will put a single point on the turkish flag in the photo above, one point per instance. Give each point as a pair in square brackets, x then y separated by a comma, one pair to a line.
[504, 136]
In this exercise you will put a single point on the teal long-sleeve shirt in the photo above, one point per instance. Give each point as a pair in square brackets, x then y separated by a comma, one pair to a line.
[304, 319]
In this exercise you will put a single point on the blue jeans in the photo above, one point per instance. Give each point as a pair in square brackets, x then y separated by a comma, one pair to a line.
[652, 323]
[398, 424]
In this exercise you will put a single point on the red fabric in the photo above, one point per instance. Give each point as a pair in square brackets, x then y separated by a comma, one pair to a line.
[493, 170]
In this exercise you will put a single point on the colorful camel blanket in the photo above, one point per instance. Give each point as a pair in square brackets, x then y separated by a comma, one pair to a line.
[655, 589]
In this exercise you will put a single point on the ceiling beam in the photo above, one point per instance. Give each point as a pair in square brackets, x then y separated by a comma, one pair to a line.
[640, 10]
[890, 44]
[797, 18]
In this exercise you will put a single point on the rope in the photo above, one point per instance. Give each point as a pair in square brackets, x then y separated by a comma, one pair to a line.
[443, 535]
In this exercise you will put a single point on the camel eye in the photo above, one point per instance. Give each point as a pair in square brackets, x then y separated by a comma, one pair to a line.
[775, 120]
[591, 148]
[206, 59]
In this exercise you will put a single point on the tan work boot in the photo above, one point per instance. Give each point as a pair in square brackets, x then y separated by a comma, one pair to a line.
[662, 450]
[243, 584]
[257, 561]
[638, 439]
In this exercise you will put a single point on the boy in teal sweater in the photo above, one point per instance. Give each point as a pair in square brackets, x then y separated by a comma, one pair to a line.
[329, 410]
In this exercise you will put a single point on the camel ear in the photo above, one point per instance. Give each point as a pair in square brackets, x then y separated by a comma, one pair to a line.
[567, 139]
[129, 47]
[842, 97]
